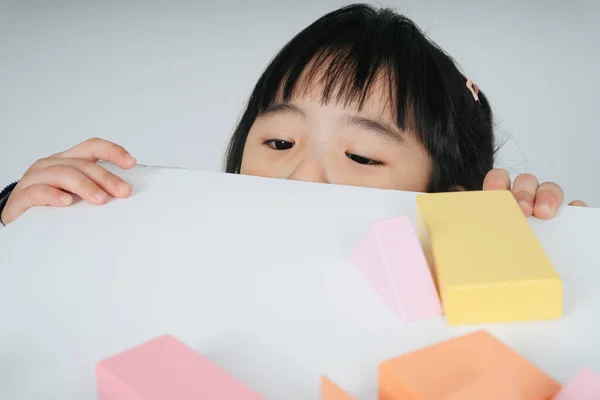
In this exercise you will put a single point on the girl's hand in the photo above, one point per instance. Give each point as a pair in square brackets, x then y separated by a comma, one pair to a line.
[52, 181]
[541, 201]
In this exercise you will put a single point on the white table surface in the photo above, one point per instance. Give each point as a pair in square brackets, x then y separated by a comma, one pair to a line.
[250, 272]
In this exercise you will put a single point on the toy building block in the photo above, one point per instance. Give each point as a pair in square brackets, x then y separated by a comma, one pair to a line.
[447, 368]
[330, 391]
[493, 385]
[165, 368]
[391, 259]
[584, 386]
[487, 261]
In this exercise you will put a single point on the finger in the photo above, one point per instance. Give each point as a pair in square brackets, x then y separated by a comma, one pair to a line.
[69, 179]
[32, 196]
[497, 179]
[524, 189]
[578, 203]
[100, 149]
[548, 199]
[108, 181]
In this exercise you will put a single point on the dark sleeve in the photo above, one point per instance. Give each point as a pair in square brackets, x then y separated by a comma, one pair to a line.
[4, 195]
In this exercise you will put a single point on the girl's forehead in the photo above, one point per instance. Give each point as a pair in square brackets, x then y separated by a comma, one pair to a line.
[374, 98]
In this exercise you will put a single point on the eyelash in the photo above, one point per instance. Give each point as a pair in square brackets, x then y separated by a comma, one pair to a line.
[364, 160]
[273, 144]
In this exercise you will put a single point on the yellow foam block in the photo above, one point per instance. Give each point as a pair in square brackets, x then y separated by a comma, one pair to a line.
[488, 264]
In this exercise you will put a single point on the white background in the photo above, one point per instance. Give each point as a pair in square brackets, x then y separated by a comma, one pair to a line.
[168, 80]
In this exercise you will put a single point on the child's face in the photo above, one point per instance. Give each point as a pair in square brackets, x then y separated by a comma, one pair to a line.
[307, 141]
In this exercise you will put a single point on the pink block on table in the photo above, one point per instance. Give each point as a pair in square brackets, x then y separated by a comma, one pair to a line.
[166, 369]
[391, 259]
[584, 386]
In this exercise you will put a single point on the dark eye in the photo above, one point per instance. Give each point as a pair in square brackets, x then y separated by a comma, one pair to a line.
[279, 144]
[362, 160]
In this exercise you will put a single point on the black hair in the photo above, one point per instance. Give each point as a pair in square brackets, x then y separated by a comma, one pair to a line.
[351, 48]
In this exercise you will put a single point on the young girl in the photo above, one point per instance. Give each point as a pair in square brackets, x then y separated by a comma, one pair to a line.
[360, 97]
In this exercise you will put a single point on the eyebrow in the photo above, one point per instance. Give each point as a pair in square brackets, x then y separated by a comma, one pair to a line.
[379, 128]
[282, 108]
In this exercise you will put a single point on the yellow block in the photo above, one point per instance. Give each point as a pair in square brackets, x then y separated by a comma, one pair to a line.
[488, 264]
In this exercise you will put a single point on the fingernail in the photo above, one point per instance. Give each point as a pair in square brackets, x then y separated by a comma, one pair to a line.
[123, 187]
[524, 203]
[130, 158]
[543, 208]
[66, 199]
[100, 196]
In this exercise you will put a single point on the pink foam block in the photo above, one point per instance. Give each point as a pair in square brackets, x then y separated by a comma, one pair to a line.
[165, 368]
[584, 386]
[390, 257]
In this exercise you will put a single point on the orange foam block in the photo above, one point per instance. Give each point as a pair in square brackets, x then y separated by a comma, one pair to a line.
[331, 391]
[466, 364]
[165, 368]
[390, 258]
[584, 386]
[491, 386]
